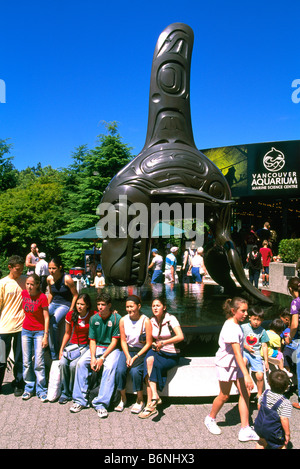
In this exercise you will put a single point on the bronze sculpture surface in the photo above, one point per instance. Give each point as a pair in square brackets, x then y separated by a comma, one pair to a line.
[170, 169]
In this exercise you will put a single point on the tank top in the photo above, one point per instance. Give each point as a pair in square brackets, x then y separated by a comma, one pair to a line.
[61, 293]
[133, 329]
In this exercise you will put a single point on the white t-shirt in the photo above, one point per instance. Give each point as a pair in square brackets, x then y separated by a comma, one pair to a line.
[230, 333]
[133, 329]
[99, 281]
[157, 262]
[165, 332]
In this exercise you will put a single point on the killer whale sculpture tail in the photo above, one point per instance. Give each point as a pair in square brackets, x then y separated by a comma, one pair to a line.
[168, 169]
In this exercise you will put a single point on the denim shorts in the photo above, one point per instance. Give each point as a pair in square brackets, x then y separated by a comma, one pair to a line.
[255, 362]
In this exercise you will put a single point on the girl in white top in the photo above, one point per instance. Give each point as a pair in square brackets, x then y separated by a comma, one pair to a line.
[231, 368]
[163, 356]
[136, 339]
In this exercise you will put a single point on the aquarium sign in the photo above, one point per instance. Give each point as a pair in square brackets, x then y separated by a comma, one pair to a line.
[274, 173]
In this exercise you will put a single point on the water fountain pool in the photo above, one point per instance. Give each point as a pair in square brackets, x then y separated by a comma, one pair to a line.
[197, 307]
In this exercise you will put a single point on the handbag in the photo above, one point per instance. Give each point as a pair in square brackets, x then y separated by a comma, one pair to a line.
[72, 351]
[54, 385]
[142, 336]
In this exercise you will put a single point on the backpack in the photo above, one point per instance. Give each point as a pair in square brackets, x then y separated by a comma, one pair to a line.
[268, 424]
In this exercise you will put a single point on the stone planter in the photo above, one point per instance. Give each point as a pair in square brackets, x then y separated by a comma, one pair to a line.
[280, 273]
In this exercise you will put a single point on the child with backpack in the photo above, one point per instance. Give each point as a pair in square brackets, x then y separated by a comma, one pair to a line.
[275, 410]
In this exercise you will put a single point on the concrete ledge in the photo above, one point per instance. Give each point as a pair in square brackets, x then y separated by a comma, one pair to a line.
[194, 377]
[280, 273]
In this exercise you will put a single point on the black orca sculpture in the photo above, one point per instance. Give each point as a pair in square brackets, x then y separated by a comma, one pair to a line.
[170, 169]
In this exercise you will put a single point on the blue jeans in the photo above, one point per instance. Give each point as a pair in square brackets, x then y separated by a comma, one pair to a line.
[136, 373]
[254, 277]
[6, 340]
[33, 374]
[57, 313]
[107, 385]
[67, 373]
[296, 355]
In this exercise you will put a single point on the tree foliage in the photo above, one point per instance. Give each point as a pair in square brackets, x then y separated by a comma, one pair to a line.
[39, 204]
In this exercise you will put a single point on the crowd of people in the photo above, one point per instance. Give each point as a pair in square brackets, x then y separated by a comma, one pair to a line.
[101, 342]
[94, 342]
[246, 348]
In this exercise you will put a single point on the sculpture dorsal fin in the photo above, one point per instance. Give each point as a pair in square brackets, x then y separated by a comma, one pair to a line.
[169, 119]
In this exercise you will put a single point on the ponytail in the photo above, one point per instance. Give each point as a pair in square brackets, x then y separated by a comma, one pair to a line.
[232, 304]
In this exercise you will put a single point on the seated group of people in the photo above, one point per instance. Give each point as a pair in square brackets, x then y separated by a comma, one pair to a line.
[117, 345]
[103, 341]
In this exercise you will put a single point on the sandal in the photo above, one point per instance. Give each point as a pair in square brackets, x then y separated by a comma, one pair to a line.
[120, 407]
[147, 412]
[154, 403]
[137, 408]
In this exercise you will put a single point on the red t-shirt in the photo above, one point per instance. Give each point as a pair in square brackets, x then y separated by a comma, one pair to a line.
[80, 333]
[33, 307]
[266, 255]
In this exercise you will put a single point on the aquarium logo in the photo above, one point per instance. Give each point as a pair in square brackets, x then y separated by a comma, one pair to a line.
[2, 91]
[274, 160]
[296, 94]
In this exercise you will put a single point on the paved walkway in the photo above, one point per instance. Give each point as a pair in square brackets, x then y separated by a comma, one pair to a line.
[178, 426]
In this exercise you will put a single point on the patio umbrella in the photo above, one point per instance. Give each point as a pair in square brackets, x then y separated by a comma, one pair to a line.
[160, 230]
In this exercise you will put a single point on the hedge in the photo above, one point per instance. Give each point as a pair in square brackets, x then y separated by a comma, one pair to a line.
[289, 250]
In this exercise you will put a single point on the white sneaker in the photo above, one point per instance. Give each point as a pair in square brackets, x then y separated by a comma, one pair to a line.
[212, 426]
[290, 375]
[76, 408]
[102, 413]
[248, 434]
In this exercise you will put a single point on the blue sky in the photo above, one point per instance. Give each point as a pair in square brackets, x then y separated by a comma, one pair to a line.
[70, 65]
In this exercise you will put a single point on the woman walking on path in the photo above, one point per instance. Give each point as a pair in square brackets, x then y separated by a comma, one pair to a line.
[231, 368]
[62, 298]
[136, 340]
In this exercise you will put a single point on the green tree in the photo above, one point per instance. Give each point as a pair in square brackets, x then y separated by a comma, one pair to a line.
[8, 173]
[86, 180]
[31, 214]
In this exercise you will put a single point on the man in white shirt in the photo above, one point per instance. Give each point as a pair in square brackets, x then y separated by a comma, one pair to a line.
[171, 265]
[41, 269]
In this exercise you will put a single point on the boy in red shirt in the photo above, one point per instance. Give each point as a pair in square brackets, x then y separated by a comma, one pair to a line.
[266, 255]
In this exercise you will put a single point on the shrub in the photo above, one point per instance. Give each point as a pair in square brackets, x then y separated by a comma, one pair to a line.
[289, 250]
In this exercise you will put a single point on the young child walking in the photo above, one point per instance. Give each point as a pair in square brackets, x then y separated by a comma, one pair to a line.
[34, 339]
[231, 368]
[275, 410]
[255, 341]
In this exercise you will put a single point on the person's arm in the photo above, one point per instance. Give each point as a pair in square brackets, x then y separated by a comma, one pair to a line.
[178, 337]
[123, 341]
[50, 296]
[66, 338]
[286, 428]
[110, 348]
[151, 265]
[240, 362]
[264, 347]
[70, 283]
[294, 325]
[46, 330]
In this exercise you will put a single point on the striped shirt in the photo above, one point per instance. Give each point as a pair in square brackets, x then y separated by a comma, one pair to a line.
[284, 410]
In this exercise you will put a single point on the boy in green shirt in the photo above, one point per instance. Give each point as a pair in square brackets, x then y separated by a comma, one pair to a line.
[104, 335]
